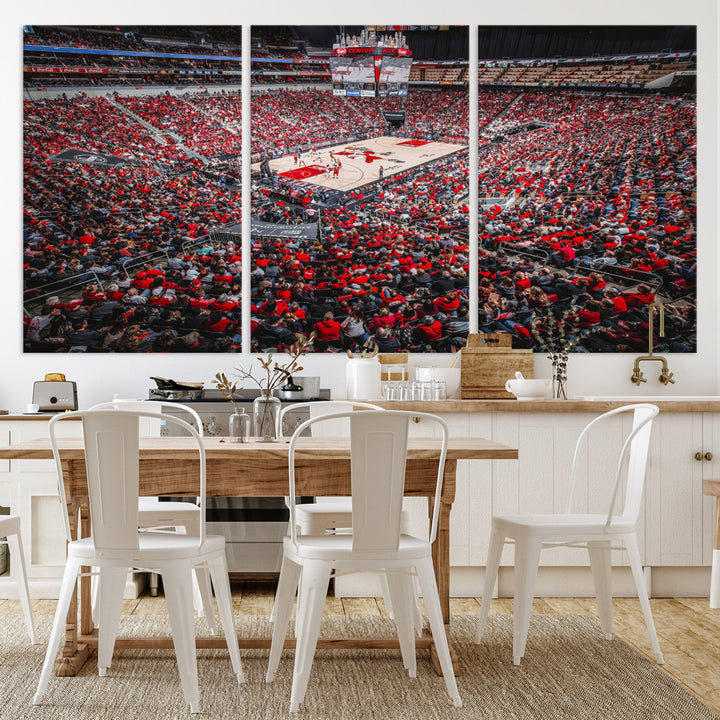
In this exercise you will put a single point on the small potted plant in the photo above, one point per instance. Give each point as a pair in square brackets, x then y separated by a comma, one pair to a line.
[558, 336]
[239, 423]
[266, 407]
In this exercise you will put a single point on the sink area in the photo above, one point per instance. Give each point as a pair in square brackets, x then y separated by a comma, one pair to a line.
[650, 398]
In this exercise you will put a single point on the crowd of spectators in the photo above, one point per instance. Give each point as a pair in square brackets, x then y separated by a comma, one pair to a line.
[584, 198]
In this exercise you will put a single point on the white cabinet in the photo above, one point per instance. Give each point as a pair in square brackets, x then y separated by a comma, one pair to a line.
[29, 487]
[685, 451]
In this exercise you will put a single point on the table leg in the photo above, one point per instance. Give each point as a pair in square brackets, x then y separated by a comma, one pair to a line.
[86, 622]
[441, 559]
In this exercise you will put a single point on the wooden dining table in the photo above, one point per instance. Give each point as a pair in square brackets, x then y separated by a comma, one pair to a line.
[169, 467]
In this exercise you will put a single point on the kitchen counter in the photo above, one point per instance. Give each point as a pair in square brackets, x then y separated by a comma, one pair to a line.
[15, 417]
[589, 404]
[596, 405]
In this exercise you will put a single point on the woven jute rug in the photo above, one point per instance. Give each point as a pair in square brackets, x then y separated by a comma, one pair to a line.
[569, 671]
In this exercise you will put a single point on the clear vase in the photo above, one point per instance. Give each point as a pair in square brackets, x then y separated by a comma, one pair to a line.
[239, 427]
[559, 387]
[559, 379]
[266, 414]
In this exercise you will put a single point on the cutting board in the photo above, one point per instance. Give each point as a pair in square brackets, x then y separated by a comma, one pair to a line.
[488, 362]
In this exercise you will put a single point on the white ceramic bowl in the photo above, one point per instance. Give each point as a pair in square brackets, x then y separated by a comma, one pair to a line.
[528, 389]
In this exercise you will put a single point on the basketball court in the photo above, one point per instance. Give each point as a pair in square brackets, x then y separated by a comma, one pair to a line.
[360, 162]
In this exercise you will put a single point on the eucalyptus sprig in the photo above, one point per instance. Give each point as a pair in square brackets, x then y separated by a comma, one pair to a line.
[560, 336]
[227, 388]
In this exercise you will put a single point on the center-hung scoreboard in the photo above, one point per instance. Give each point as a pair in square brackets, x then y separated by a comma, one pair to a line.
[370, 71]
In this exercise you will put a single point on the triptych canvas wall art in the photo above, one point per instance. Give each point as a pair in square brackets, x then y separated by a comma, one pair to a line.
[372, 150]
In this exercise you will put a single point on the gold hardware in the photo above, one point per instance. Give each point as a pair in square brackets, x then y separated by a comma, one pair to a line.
[666, 377]
[698, 456]
[708, 456]
[416, 419]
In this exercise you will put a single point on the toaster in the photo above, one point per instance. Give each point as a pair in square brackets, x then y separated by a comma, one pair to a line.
[54, 395]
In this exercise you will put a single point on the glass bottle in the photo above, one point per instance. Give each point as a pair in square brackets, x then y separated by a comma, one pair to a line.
[266, 414]
[239, 427]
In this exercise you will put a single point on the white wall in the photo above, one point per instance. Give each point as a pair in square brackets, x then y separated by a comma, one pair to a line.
[99, 376]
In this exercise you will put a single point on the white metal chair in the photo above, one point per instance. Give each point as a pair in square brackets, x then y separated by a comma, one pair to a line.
[378, 458]
[594, 531]
[111, 440]
[182, 516]
[10, 529]
[335, 515]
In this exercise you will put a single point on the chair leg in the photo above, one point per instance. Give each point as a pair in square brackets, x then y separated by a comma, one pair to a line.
[400, 590]
[201, 581]
[95, 593]
[311, 603]
[221, 581]
[17, 560]
[202, 589]
[527, 557]
[601, 565]
[283, 588]
[177, 581]
[634, 555]
[419, 622]
[111, 582]
[715, 578]
[428, 586]
[284, 598]
[57, 633]
[497, 542]
[385, 592]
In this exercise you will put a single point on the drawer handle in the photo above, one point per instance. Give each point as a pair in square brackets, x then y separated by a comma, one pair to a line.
[698, 456]
[708, 456]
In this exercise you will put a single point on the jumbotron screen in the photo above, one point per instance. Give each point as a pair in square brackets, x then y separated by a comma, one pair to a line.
[369, 72]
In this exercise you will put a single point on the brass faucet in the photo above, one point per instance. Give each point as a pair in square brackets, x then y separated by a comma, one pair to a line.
[666, 376]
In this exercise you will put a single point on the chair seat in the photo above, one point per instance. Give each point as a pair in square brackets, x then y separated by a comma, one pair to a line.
[153, 547]
[338, 548]
[562, 525]
[316, 518]
[153, 513]
[152, 504]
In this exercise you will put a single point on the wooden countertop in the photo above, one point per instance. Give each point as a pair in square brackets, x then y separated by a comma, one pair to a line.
[600, 405]
[709, 404]
[33, 417]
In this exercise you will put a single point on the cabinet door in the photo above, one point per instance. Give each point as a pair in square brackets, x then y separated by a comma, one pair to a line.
[471, 511]
[35, 498]
[4, 469]
[674, 508]
[710, 471]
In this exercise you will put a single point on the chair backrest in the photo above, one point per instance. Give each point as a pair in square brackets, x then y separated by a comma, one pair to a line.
[635, 450]
[318, 408]
[156, 407]
[111, 439]
[378, 448]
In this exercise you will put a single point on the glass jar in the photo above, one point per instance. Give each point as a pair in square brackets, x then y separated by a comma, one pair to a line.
[266, 415]
[239, 427]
